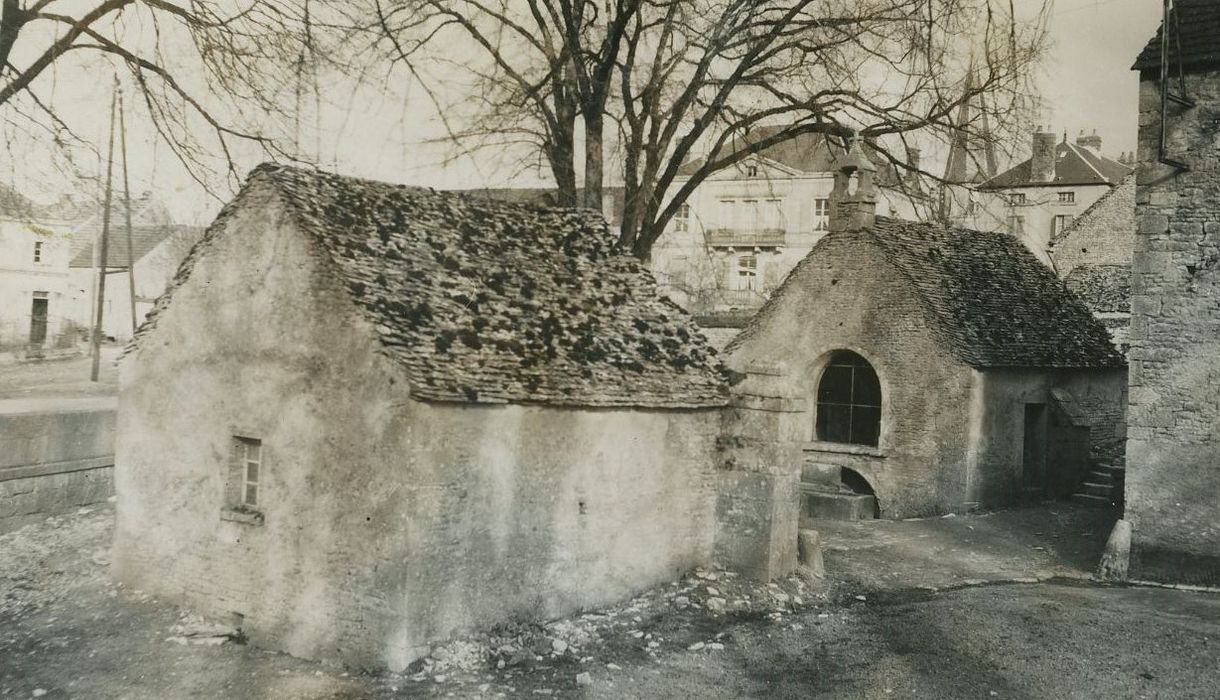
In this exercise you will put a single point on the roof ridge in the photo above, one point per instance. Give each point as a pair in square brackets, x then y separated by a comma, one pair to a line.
[1083, 157]
[1079, 220]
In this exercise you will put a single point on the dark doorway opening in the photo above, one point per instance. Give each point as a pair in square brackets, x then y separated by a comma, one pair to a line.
[1033, 453]
[851, 480]
[38, 320]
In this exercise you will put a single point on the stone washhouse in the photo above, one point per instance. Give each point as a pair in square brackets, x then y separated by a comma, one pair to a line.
[365, 417]
[925, 369]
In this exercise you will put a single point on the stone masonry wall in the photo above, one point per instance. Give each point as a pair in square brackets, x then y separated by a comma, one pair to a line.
[1102, 235]
[846, 296]
[1173, 446]
[53, 463]
[387, 523]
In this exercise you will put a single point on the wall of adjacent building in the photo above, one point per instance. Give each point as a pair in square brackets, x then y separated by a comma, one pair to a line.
[1085, 415]
[1173, 446]
[995, 211]
[386, 523]
[21, 277]
[1102, 235]
[846, 296]
[54, 460]
[696, 266]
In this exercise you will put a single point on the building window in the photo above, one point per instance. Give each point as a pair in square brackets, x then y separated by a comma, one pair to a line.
[1060, 222]
[245, 473]
[682, 219]
[746, 278]
[751, 171]
[37, 251]
[821, 214]
[849, 401]
[1016, 225]
[1017, 198]
[1067, 197]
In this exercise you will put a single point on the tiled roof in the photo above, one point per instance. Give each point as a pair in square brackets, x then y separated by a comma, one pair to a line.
[547, 197]
[1104, 288]
[492, 302]
[985, 296]
[1198, 33]
[1074, 165]
[143, 240]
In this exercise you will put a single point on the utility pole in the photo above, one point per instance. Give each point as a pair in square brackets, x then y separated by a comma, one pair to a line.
[101, 270]
[131, 261]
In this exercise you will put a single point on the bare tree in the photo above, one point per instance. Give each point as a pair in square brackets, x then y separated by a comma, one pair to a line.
[694, 80]
[213, 77]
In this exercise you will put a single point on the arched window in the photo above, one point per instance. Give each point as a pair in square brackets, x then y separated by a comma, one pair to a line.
[849, 401]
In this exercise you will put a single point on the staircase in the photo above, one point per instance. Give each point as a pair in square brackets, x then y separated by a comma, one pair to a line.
[1103, 486]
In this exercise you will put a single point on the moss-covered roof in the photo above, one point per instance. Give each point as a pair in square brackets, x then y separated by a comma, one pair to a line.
[987, 298]
[490, 302]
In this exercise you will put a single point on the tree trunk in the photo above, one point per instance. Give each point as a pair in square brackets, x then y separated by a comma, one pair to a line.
[594, 167]
[562, 156]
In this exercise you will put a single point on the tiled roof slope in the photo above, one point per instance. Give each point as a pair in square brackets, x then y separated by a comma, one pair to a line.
[492, 302]
[1105, 288]
[1074, 165]
[143, 239]
[985, 295]
[1198, 32]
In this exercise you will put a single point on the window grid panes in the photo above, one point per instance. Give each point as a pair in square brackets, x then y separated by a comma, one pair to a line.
[849, 401]
[821, 214]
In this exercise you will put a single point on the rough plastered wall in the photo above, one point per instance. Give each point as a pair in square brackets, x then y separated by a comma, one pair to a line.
[844, 295]
[1173, 446]
[387, 523]
[1084, 408]
[1104, 234]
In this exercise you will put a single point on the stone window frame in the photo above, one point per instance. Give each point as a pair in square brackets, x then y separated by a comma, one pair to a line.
[1068, 197]
[243, 495]
[38, 252]
[745, 272]
[874, 448]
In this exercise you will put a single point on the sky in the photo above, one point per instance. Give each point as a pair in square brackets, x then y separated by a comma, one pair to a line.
[388, 131]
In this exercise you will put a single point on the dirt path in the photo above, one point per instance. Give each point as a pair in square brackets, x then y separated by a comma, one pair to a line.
[61, 377]
[67, 631]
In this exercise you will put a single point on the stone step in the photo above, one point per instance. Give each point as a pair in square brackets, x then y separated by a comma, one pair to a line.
[1090, 499]
[1100, 477]
[1107, 490]
[830, 505]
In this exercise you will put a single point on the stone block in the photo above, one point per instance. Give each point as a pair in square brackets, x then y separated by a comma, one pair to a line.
[827, 505]
[756, 523]
[809, 546]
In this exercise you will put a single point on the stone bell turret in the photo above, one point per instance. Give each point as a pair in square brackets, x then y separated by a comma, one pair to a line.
[853, 201]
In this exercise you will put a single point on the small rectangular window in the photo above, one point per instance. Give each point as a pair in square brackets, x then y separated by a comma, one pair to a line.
[821, 214]
[682, 219]
[1060, 222]
[37, 251]
[1017, 198]
[1067, 197]
[243, 489]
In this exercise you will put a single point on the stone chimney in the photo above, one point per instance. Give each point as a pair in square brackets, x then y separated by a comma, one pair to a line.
[853, 201]
[914, 155]
[1042, 162]
[1092, 141]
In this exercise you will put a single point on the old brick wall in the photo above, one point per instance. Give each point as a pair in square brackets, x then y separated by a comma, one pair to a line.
[1173, 446]
[846, 296]
[387, 523]
[53, 462]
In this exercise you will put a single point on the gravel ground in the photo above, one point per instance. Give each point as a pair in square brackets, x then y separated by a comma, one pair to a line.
[67, 631]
